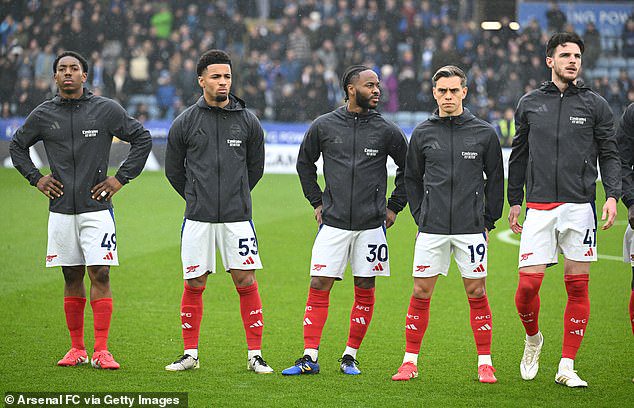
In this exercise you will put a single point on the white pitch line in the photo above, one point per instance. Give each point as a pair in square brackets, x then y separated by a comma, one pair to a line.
[506, 236]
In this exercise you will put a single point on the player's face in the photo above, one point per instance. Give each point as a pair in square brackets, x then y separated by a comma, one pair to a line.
[565, 62]
[216, 84]
[449, 94]
[70, 77]
[365, 90]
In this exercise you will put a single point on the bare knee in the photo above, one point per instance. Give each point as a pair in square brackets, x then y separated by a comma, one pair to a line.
[321, 282]
[197, 282]
[99, 275]
[364, 283]
[243, 278]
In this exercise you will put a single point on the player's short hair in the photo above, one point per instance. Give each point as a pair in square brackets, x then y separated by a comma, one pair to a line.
[562, 38]
[449, 71]
[212, 57]
[349, 74]
[80, 58]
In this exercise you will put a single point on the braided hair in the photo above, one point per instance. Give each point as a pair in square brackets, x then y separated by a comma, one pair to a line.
[348, 75]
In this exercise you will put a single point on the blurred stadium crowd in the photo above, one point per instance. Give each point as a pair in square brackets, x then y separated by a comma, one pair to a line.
[288, 54]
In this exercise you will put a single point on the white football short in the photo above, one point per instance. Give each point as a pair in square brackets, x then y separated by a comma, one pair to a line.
[236, 241]
[570, 229]
[366, 251]
[81, 239]
[628, 245]
[432, 255]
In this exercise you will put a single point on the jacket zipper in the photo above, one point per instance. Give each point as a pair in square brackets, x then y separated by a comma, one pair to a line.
[561, 100]
[451, 191]
[217, 163]
[72, 149]
[354, 139]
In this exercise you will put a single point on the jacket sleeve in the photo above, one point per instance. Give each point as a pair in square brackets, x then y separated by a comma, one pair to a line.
[255, 152]
[132, 131]
[494, 187]
[414, 171]
[625, 138]
[309, 152]
[26, 136]
[175, 158]
[608, 152]
[398, 153]
[519, 157]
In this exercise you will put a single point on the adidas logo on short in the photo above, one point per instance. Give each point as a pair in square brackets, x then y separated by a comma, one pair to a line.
[479, 269]
[257, 324]
[378, 267]
[108, 257]
[411, 327]
[249, 261]
[589, 253]
[307, 321]
[485, 327]
[359, 320]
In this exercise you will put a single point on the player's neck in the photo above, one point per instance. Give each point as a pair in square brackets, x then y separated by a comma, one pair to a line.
[354, 108]
[71, 95]
[561, 84]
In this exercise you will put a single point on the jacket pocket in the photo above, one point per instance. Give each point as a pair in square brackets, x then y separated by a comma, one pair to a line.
[583, 177]
[243, 190]
[477, 209]
[424, 209]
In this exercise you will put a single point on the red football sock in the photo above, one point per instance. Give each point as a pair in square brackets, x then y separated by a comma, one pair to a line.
[191, 315]
[360, 316]
[74, 310]
[416, 324]
[480, 315]
[102, 313]
[527, 301]
[576, 314]
[632, 310]
[315, 317]
[251, 311]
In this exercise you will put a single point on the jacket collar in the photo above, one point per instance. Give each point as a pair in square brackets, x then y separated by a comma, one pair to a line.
[343, 112]
[86, 95]
[235, 104]
[573, 88]
[464, 117]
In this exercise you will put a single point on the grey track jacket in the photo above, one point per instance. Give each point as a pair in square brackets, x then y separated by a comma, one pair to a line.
[214, 158]
[77, 135]
[355, 149]
[446, 189]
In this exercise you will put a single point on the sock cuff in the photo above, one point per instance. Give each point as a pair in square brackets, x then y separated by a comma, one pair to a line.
[74, 299]
[247, 290]
[479, 302]
[577, 277]
[194, 289]
[364, 295]
[418, 303]
[99, 302]
[529, 275]
[318, 297]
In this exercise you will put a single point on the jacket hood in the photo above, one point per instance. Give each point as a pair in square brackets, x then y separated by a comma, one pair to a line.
[549, 86]
[344, 113]
[235, 103]
[464, 117]
[86, 95]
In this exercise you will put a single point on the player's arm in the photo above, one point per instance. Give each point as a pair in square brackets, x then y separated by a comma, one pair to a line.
[517, 167]
[414, 171]
[255, 152]
[130, 130]
[309, 152]
[398, 198]
[175, 154]
[494, 185]
[26, 136]
[609, 160]
[625, 140]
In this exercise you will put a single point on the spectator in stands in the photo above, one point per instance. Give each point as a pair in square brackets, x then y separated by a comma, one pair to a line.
[505, 127]
[628, 38]
[555, 17]
[592, 39]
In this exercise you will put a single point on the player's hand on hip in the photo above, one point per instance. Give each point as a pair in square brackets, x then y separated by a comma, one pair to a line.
[318, 214]
[514, 215]
[390, 218]
[609, 213]
[50, 187]
[630, 215]
[106, 189]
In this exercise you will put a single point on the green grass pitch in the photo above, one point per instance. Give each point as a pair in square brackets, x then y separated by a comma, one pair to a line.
[145, 333]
